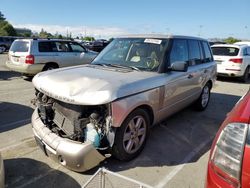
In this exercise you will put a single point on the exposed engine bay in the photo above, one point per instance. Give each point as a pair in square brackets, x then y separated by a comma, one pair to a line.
[76, 122]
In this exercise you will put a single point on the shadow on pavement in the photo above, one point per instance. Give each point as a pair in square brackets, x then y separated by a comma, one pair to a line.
[25, 172]
[232, 80]
[13, 115]
[182, 138]
[7, 75]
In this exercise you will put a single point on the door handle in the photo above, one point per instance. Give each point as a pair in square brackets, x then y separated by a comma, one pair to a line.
[190, 76]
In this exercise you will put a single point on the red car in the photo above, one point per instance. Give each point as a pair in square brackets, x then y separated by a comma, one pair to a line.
[229, 161]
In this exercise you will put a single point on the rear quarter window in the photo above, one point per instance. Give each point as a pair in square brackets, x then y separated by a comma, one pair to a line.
[226, 51]
[20, 46]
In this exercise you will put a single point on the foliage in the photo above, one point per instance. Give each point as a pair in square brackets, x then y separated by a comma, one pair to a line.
[44, 34]
[231, 40]
[88, 38]
[2, 18]
[6, 29]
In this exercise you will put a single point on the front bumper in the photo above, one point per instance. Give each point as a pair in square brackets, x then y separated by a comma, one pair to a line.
[71, 154]
[25, 68]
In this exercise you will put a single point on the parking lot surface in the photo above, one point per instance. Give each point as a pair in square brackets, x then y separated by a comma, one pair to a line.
[175, 155]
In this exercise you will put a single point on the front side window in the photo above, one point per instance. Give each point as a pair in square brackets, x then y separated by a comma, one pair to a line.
[141, 53]
[76, 47]
[179, 51]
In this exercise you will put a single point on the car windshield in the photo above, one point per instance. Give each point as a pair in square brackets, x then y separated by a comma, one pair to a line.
[226, 51]
[136, 53]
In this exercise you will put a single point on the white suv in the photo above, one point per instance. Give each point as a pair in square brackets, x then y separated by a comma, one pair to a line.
[232, 60]
[30, 56]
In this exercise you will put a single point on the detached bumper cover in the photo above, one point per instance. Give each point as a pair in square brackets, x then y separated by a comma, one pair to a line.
[71, 154]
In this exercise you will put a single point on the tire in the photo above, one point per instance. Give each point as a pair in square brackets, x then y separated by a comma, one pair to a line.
[50, 67]
[245, 77]
[202, 102]
[129, 139]
[3, 48]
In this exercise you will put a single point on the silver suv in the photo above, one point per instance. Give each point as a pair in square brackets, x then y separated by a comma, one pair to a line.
[30, 56]
[107, 107]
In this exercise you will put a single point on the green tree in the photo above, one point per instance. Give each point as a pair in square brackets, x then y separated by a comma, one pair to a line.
[231, 40]
[2, 18]
[88, 38]
[6, 29]
[45, 34]
[60, 36]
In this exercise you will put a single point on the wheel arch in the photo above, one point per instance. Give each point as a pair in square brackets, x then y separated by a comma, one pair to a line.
[50, 64]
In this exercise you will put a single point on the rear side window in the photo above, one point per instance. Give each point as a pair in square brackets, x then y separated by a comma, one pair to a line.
[179, 51]
[20, 46]
[194, 52]
[62, 46]
[207, 51]
[47, 47]
[226, 51]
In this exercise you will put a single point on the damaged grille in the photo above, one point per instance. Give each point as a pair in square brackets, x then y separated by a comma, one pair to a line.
[69, 120]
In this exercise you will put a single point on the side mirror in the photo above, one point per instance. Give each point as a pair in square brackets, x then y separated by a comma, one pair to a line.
[180, 66]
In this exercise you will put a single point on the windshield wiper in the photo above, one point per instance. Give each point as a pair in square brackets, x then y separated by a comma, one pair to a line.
[123, 66]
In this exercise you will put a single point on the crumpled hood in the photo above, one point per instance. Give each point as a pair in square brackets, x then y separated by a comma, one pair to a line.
[92, 85]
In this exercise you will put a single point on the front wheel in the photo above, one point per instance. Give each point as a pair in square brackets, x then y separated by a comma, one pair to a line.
[202, 102]
[131, 137]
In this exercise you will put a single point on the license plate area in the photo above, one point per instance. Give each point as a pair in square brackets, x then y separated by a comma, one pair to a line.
[218, 62]
[41, 145]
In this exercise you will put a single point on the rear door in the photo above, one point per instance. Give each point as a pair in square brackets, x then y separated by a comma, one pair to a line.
[65, 57]
[177, 90]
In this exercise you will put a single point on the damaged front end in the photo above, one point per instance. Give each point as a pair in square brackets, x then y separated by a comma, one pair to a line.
[77, 136]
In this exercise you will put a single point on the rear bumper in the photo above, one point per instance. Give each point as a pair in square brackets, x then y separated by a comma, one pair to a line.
[25, 68]
[71, 154]
[230, 71]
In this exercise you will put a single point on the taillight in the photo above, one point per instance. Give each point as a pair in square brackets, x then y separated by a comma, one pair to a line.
[227, 154]
[29, 59]
[236, 60]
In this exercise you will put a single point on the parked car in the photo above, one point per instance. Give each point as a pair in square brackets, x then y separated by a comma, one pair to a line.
[1, 172]
[97, 45]
[1, 50]
[107, 107]
[229, 161]
[30, 56]
[5, 42]
[233, 60]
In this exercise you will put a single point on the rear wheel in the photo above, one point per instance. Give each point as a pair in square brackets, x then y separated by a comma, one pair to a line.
[202, 102]
[3, 48]
[245, 77]
[131, 137]
[50, 66]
